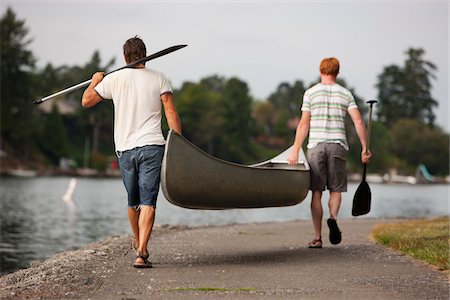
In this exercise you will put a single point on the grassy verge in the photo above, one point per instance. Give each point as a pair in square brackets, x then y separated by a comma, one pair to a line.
[427, 240]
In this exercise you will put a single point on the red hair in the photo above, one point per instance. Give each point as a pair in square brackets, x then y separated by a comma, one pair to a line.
[329, 66]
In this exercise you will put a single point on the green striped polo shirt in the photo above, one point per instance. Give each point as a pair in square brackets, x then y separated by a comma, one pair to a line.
[328, 105]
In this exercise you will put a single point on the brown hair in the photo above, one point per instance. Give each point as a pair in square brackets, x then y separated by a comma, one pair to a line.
[134, 49]
[329, 66]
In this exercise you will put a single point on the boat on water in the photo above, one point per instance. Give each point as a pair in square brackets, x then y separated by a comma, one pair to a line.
[191, 178]
[22, 173]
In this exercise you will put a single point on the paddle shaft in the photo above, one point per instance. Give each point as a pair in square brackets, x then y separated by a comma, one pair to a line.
[369, 129]
[363, 197]
[369, 126]
[87, 82]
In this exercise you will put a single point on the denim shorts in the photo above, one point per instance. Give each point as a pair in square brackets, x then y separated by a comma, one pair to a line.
[328, 167]
[141, 171]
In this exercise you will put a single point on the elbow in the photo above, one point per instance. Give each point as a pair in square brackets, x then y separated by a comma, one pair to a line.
[359, 123]
[85, 100]
[85, 103]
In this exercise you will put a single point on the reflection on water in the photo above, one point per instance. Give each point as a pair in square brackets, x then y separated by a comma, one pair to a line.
[43, 216]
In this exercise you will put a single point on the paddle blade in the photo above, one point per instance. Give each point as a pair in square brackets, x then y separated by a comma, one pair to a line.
[362, 200]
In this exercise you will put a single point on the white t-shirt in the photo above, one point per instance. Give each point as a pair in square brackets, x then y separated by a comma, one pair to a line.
[328, 105]
[136, 94]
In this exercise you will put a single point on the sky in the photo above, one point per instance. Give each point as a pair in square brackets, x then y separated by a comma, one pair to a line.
[263, 43]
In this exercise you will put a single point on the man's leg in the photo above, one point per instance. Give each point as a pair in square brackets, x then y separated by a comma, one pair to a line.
[334, 204]
[133, 216]
[317, 213]
[146, 221]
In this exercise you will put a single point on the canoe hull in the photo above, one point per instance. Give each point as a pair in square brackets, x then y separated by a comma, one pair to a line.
[193, 179]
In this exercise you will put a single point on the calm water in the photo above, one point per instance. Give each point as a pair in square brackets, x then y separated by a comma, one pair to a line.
[36, 222]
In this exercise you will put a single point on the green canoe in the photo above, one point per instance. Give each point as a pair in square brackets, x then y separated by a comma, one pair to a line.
[191, 178]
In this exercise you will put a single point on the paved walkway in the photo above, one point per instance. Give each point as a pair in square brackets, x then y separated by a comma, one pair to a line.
[269, 261]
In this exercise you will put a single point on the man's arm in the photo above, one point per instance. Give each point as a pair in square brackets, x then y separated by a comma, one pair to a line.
[173, 120]
[300, 136]
[90, 96]
[362, 134]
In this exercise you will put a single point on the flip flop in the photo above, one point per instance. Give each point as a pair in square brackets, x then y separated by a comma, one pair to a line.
[335, 233]
[134, 246]
[315, 244]
[142, 265]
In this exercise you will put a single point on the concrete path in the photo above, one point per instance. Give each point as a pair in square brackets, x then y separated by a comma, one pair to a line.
[270, 261]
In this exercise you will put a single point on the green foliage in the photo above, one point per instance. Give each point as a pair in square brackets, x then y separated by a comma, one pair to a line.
[287, 101]
[383, 159]
[201, 113]
[239, 126]
[54, 142]
[416, 143]
[406, 107]
[288, 98]
[19, 124]
[216, 116]
[405, 91]
[99, 161]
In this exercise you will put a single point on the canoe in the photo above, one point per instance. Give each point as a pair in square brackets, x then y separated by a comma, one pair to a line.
[193, 179]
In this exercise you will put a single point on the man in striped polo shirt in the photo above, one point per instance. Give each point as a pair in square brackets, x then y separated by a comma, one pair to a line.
[325, 106]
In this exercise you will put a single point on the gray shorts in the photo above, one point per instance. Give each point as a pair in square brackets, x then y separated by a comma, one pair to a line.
[141, 172]
[328, 167]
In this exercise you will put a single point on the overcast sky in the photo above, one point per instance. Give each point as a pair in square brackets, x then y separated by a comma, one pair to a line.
[262, 42]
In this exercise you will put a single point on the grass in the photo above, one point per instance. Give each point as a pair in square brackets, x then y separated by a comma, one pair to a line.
[427, 240]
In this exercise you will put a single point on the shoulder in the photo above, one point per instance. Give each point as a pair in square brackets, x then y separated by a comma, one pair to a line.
[155, 73]
[342, 89]
[314, 89]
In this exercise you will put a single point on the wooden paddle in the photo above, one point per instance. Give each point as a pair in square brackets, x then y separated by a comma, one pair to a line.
[363, 196]
[130, 65]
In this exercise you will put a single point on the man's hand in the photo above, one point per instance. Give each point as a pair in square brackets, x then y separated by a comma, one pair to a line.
[90, 96]
[97, 78]
[293, 158]
[366, 155]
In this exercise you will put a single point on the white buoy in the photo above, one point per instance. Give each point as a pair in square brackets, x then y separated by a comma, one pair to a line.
[70, 189]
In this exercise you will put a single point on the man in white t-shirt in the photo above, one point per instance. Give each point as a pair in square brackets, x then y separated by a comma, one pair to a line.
[138, 95]
[325, 106]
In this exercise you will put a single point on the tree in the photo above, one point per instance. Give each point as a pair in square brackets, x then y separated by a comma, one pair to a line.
[55, 141]
[94, 124]
[288, 97]
[98, 120]
[415, 143]
[405, 92]
[201, 114]
[287, 101]
[239, 126]
[216, 114]
[265, 117]
[19, 125]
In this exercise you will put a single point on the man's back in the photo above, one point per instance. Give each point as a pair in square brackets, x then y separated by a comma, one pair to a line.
[136, 94]
[328, 105]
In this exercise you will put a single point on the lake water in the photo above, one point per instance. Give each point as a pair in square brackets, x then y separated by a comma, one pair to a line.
[36, 222]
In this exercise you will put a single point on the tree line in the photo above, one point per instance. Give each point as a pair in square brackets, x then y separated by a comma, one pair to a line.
[218, 114]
